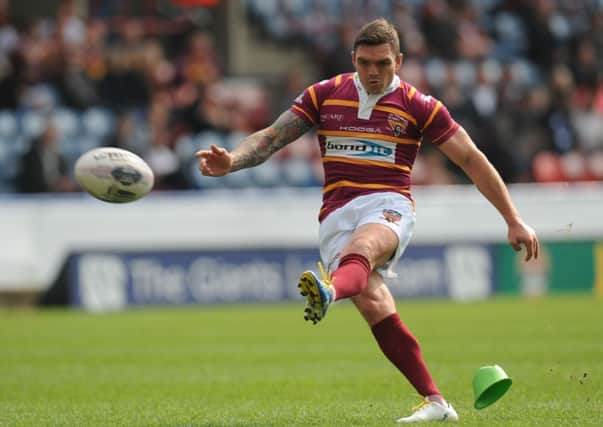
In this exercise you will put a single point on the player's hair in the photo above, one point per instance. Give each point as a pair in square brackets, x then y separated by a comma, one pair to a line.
[378, 32]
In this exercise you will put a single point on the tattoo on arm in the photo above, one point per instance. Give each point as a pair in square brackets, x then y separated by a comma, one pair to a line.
[258, 147]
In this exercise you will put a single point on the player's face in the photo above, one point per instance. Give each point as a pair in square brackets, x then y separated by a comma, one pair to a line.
[376, 66]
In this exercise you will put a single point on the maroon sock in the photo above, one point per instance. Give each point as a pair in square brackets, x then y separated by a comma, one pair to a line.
[351, 277]
[402, 349]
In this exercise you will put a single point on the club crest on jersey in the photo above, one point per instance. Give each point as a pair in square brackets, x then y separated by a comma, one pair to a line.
[397, 124]
[392, 216]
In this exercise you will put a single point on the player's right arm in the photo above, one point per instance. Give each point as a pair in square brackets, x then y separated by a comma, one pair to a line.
[458, 146]
[254, 149]
[462, 151]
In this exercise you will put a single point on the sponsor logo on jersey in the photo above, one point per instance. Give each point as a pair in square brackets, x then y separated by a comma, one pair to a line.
[365, 129]
[392, 216]
[382, 151]
[331, 116]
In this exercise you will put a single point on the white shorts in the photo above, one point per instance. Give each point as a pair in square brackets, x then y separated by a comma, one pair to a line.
[390, 209]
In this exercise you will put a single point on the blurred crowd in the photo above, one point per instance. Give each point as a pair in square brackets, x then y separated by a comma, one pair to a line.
[152, 83]
[524, 77]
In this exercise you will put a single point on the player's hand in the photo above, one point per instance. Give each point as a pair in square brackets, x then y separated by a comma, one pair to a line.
[216, 161]
[522, 234]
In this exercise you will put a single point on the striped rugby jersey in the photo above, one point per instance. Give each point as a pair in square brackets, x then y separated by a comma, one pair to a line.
[369, 143]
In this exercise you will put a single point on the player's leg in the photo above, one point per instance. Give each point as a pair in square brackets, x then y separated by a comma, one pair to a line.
[370, 245]
[366, 233]
[377, 306]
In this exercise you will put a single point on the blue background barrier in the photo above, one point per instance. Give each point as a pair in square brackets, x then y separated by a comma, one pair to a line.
[110, 280]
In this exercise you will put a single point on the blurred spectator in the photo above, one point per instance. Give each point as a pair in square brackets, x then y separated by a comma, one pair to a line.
[589, 126]
[43, 168]
[160, 154]
[412, 40]
[125, 84]
[70, 25]
[292, 85]
[585, 63]
[433, 168]
[78, 89]
[127, 134]
[337, 57]
[12, 80]
[541, 24]
[11, 60]
[440, 29]
[9, 38]
[473, 42]
[559, 123]
[200, 66]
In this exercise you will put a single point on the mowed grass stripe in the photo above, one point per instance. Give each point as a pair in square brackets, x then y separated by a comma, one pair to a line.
[262, 365]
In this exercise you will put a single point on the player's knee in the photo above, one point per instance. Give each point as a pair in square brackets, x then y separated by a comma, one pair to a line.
[374, 306]
[365, 246]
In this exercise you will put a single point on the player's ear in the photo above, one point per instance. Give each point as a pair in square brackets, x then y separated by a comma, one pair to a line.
[353, 55]
[399, 60]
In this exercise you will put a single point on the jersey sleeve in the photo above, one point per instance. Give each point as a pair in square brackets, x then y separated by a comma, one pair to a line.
[435, 121]
[306, 106]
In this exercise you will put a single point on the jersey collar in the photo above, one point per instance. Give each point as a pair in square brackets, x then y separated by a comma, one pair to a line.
[366, 102]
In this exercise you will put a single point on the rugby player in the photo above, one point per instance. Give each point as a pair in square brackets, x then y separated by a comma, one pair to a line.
[370, 125]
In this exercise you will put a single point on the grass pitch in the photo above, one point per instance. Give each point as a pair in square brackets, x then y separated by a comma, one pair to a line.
[257, 365]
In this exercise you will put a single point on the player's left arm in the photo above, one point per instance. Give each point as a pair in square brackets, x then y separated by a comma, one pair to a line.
[463, 152]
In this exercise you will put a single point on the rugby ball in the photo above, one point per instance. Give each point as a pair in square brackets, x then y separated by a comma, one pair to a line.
[114, 175]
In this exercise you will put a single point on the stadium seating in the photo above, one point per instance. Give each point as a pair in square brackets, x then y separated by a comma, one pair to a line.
[490, 69]
[81, 131]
